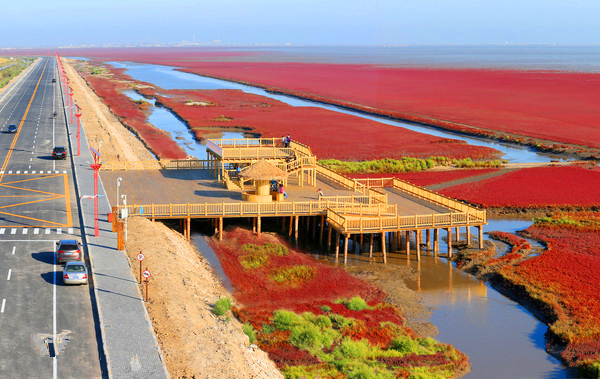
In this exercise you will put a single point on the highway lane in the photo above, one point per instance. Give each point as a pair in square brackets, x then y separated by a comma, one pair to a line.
[46, 329]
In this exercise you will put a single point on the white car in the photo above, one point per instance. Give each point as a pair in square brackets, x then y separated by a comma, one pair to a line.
[75, 273]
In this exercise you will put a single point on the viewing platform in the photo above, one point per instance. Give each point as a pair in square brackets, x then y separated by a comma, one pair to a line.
[388, 209]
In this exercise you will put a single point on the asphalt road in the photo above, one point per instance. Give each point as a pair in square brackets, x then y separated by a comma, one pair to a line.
[46, 329]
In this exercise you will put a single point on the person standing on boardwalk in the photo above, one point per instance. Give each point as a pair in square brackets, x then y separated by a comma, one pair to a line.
[281, 190]
[320, 192]
[288, 139]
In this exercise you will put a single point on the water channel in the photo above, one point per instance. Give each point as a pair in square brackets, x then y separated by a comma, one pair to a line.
[500, 337]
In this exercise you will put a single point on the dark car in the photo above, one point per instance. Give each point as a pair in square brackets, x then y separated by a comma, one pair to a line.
[12, 128]
[53, 80]
[68, 250]
[59, 152]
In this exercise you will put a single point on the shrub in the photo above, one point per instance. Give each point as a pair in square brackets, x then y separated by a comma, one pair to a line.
[268, 329]
[286, 320]
[222, 306]
[323, 322]
[354, 349]
[326, 308]
[339, 321]
[249, 331]
[356, 304]
[405, 345]
[305, 336]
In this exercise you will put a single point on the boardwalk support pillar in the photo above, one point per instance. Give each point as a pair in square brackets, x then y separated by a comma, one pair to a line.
[407, 235]
[337, 246]
[468, 236]
[449, 242]
[346, 237]
[258, 221]
[419, 239]
[220, 228]
[480, 229]
[296, 221]
[436, 241]
[383, 247]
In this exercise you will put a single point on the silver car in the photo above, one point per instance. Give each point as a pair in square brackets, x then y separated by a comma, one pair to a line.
[75, 273]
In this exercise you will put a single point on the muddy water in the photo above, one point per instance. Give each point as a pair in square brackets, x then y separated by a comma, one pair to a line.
[164, 119]
[501, 338]
[199, 240]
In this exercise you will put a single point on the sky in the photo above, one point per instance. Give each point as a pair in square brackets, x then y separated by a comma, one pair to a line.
[298, 22]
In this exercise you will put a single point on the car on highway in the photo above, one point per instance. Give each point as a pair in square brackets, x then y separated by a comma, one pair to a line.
[12, 128]
[75, 273]
[68, 250]
[59, 152]
[53, 80]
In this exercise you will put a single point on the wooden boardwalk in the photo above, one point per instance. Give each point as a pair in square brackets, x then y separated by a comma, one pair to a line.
[387, 208]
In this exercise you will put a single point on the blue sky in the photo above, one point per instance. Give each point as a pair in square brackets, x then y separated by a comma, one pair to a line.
[370, 22]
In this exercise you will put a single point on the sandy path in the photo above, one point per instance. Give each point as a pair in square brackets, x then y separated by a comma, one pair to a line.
[470, 179]
[102, 125]
[194, 342]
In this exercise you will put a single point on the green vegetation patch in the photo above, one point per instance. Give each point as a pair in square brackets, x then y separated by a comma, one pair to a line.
[356, 303]
[292, 276]
[14, 68]
[257, 256]
[248, 330]
[406, 164]
[336, 354]
[222, 306]
[268, 248]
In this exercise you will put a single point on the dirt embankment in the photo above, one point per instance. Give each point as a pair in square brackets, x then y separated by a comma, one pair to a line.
[195, 342]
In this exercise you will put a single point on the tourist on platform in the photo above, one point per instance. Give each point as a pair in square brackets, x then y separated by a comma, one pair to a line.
[281, 190]
[320, 192]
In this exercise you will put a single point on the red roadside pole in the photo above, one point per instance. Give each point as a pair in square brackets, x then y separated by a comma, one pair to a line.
[96, 166]
[78, 115]
[71, 96]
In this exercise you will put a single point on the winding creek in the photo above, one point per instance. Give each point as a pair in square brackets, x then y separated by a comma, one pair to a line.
[501, 338]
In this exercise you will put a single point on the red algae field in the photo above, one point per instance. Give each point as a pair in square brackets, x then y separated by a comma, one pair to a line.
[339, 136]
[568, 186]
[316, 320]
[566, 278]
[531, 104]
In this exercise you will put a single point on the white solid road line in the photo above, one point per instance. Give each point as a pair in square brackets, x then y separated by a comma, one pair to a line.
[54, 361]
[14, 249]
[3, 304]
[9, 272]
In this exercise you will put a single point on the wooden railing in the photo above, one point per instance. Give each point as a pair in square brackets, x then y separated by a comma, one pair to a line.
[246, 209]
[297, 164]
[247, 142]
[417, 191]
[186, 164]
[130, 165]
[434, 197]
[359, 224]
[301, 148]
[336, 177]
[257, 153]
